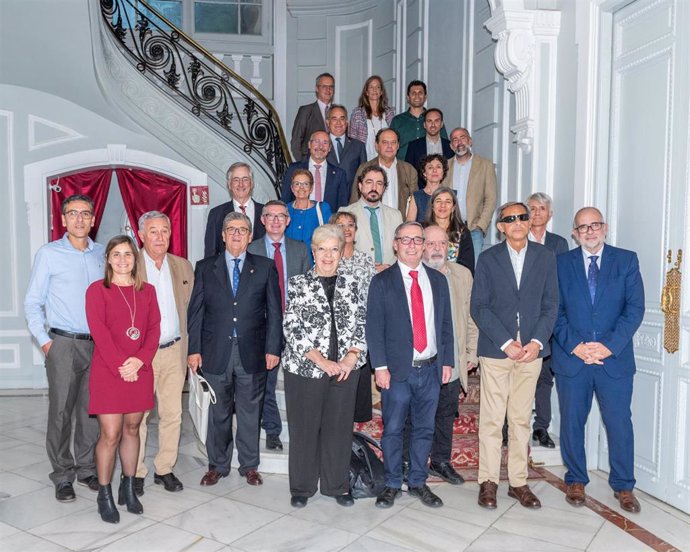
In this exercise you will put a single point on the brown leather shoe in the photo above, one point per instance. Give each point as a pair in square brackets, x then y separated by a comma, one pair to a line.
[487, 495]
[525, 496]
[575, 494]
[253, 477]
[211, 477]
[627, 501]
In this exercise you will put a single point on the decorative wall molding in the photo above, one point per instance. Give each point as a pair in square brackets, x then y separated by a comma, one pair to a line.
[367, 26]
[7, 175]
[61, 133]
[13, 364]
[299, 8]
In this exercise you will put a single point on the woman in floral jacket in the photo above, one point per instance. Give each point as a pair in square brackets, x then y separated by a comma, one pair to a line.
[325, 346]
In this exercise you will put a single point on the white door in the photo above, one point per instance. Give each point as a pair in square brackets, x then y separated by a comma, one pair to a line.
[648, 181]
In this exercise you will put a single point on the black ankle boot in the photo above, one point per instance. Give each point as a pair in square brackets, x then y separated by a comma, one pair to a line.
[127, 495]
[106, 504]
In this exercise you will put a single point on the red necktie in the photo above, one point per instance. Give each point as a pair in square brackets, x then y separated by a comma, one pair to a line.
[243, 208]
[418, 321]
[278, 258]
[317, 182]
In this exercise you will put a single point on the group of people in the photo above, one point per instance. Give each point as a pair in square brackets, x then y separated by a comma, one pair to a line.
[368, 285]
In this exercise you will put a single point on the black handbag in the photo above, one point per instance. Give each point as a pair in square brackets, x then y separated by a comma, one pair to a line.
[367, 477]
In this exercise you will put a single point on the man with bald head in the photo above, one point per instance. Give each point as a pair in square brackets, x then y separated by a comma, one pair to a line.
[601, 307]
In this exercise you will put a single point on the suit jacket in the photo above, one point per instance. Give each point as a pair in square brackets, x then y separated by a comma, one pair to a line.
[307, 121]
[354, 154]
[213, 241]
[556, 243]
[481, 192]
[465, 331]
[417, 149]
[337, 189]
[496, 299]
[255, 313]
[182, 276]
[296, 253]
[389, 327]
[363, 240]
[407, 182]
[612, 320]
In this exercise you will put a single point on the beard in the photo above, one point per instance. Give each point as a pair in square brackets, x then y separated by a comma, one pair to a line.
[462, 150]
[436, 262]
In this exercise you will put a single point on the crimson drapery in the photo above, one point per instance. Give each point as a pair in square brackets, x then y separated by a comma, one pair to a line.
[144, 191]
[94, 184]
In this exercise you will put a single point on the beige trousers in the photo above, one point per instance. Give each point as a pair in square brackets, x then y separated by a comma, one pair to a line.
[168, 381]
[507, 387]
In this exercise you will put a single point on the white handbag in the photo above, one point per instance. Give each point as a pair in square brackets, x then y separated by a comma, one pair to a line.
[201, 396]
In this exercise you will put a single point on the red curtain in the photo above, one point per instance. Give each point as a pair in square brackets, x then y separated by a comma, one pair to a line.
[94, 184]
[144, 191]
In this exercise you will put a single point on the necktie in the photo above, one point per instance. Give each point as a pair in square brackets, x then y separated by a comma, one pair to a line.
[317, 182]
[339, 147]
[236, 277]
[418, 321]
[243, 208]
[375, 234]
[278, 259]
[593, 276]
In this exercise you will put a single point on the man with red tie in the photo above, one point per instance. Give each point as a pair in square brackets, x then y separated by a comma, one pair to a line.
[291, 258]
[411, 348]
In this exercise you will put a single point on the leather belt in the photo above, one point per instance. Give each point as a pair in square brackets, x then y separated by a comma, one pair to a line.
[169, 343]
[424, 362]
[71, 335]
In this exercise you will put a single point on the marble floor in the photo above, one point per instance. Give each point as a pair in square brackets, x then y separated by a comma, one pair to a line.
[235, 517]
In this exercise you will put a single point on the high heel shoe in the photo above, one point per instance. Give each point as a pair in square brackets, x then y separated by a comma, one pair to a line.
[106, 504]
[126, 495]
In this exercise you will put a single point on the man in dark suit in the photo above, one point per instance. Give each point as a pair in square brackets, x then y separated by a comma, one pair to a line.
[346, 153]
[312, 117]
[240, 185]
[410, 340]
[601, 308]
[330, 182]
[432, 142]
[514, 304]
[235, 332]
[291, 257]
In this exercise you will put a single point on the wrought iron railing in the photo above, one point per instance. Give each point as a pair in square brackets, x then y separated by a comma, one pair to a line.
[200, 83]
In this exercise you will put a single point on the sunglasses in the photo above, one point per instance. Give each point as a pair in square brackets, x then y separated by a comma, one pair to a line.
[512, 218]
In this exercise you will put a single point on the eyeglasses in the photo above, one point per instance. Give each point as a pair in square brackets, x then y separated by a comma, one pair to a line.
[434, 244]
[270, 216]
[74, 214]
[232, 230]
[512, 218]
[347, 225]
[407, 240]
[298, 184]
[594, 227]
[332, 86]
[243, 180]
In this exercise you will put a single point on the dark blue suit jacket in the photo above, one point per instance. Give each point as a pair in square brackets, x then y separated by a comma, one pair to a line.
[417, 149]
[496, 299]
[255, 313]
[354, 154]
[213, 241]
[612, 320]
[337, 192]
[389, 328]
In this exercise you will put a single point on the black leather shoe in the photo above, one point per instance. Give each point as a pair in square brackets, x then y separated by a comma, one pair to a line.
[542, 437]
[345, 500]
[424, 494]
[273, 442]
[126, 495]
[169, 482]
[64, 492]
[298, 501]
[446, 472]
[91, 482]
[387, 498]
[106, 504]
[139, 486]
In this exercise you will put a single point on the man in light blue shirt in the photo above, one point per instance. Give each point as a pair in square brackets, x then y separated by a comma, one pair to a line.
[56, 316]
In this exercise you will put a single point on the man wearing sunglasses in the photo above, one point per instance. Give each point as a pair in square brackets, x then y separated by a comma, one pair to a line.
[601, 307]
[514, 303]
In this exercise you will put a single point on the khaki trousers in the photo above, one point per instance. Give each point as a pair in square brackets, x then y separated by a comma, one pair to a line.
[168, 381]
[507, 387]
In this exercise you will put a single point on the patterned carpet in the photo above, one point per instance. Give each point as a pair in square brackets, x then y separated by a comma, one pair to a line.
[465, 455]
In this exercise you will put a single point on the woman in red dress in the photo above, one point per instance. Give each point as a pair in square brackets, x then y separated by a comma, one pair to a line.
[124, 321]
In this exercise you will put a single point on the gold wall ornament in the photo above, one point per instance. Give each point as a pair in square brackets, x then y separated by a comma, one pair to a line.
[670, 303]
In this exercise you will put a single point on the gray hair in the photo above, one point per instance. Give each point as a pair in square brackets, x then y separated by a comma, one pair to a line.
[326, 232]
[273, 203]
[234, 215]
[499, 211]
[152, 215]
[407, 224]
[540, 197]
[587, 209]
[239, 165]
[335, 106]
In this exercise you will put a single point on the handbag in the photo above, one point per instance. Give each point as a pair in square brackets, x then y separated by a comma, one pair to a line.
[201, 396]
[367, 477]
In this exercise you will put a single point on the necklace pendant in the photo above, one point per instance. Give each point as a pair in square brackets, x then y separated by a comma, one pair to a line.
[133, 333]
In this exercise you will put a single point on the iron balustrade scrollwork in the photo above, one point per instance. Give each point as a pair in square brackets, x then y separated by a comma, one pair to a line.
[202, 84]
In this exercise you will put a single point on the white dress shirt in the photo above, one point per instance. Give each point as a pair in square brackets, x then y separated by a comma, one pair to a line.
[428, 297]
[162, 281]
[390, 196]
[248, 208]
[324, 109]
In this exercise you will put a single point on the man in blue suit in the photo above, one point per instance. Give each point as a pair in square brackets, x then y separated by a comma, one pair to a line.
[330, 182]
[410, 339]
[602, 305]
[346, 153]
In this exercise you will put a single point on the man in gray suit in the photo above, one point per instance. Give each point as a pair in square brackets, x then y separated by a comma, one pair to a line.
[312, 117]
[291, 258]
[346, 153]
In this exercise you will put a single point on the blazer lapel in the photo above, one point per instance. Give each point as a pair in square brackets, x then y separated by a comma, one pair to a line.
[246, 274]
[579, 272]
[503, 259]
[607, 262]
[221, 271]
[530, 256]
[399, 291]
